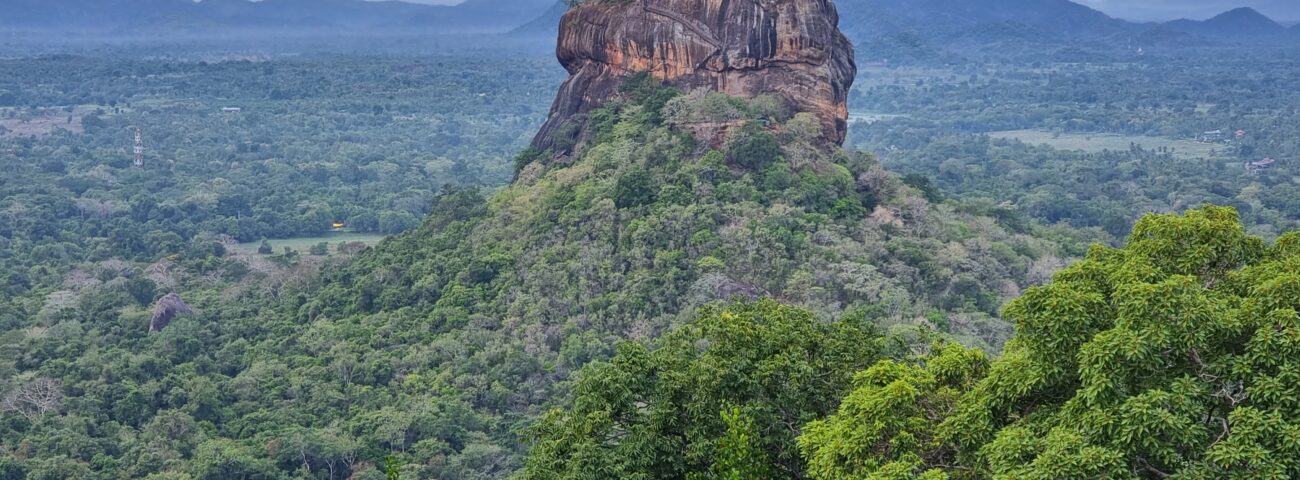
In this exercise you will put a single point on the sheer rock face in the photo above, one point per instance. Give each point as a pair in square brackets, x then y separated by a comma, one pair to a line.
[792, 48]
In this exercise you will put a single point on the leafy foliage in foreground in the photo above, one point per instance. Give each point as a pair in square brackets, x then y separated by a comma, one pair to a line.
[1178, 355]
[719, 395]
[885, 427]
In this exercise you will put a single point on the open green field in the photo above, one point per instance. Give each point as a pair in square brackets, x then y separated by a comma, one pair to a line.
[1097, 142]
[301, 244]
[871, 117]
[910, 76]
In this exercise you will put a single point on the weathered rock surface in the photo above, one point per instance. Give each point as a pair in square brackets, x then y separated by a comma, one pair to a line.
[167, 309]
[790, 48]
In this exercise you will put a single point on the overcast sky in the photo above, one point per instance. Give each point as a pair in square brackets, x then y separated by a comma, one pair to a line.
[1144, 10]
[429, 2]
[425, 2]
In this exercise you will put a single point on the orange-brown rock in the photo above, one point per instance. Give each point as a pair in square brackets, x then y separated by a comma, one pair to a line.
[790, 48]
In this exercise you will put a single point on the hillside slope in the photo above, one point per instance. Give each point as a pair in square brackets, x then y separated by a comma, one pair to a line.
[433, 354]
[489, 308]
[544, 27]
[1238, 23]
[963, 27]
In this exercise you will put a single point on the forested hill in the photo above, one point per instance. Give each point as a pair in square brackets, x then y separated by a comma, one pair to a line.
[488, 309]
[1242, 22]
[450, 351]
[1173, 357]
[436, 351]
[677, 283]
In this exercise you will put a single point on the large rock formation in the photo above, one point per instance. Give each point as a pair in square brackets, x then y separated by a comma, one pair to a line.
[167, 309]
[791, 48]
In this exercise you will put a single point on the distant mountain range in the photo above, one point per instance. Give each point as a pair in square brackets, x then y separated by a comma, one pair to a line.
[147, 17]
[938, 29]
[1027, 27]
[1240, 22]
[959, 18]
[547, 25]
[882, 29]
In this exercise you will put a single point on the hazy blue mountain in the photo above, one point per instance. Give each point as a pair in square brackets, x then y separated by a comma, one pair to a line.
[901, 30]
[1236, 23]
[972, 26]
[1163, 36]
[545, 26]
[213, 16]
[502, 15]
[83, 13]
[955, 18]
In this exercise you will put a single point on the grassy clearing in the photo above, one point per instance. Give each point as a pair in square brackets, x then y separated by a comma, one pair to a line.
[906, 76]
[42, 121]
[1097, 142]
[38, 123]
[871, 117]
[301, 244]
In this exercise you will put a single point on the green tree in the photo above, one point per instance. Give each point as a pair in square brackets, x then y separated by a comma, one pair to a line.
[397, 221]
[634, 188]
[768, 368]
[1176, 356]
[753, 147]
[885, 428]
[226, 459]
[740, 454]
